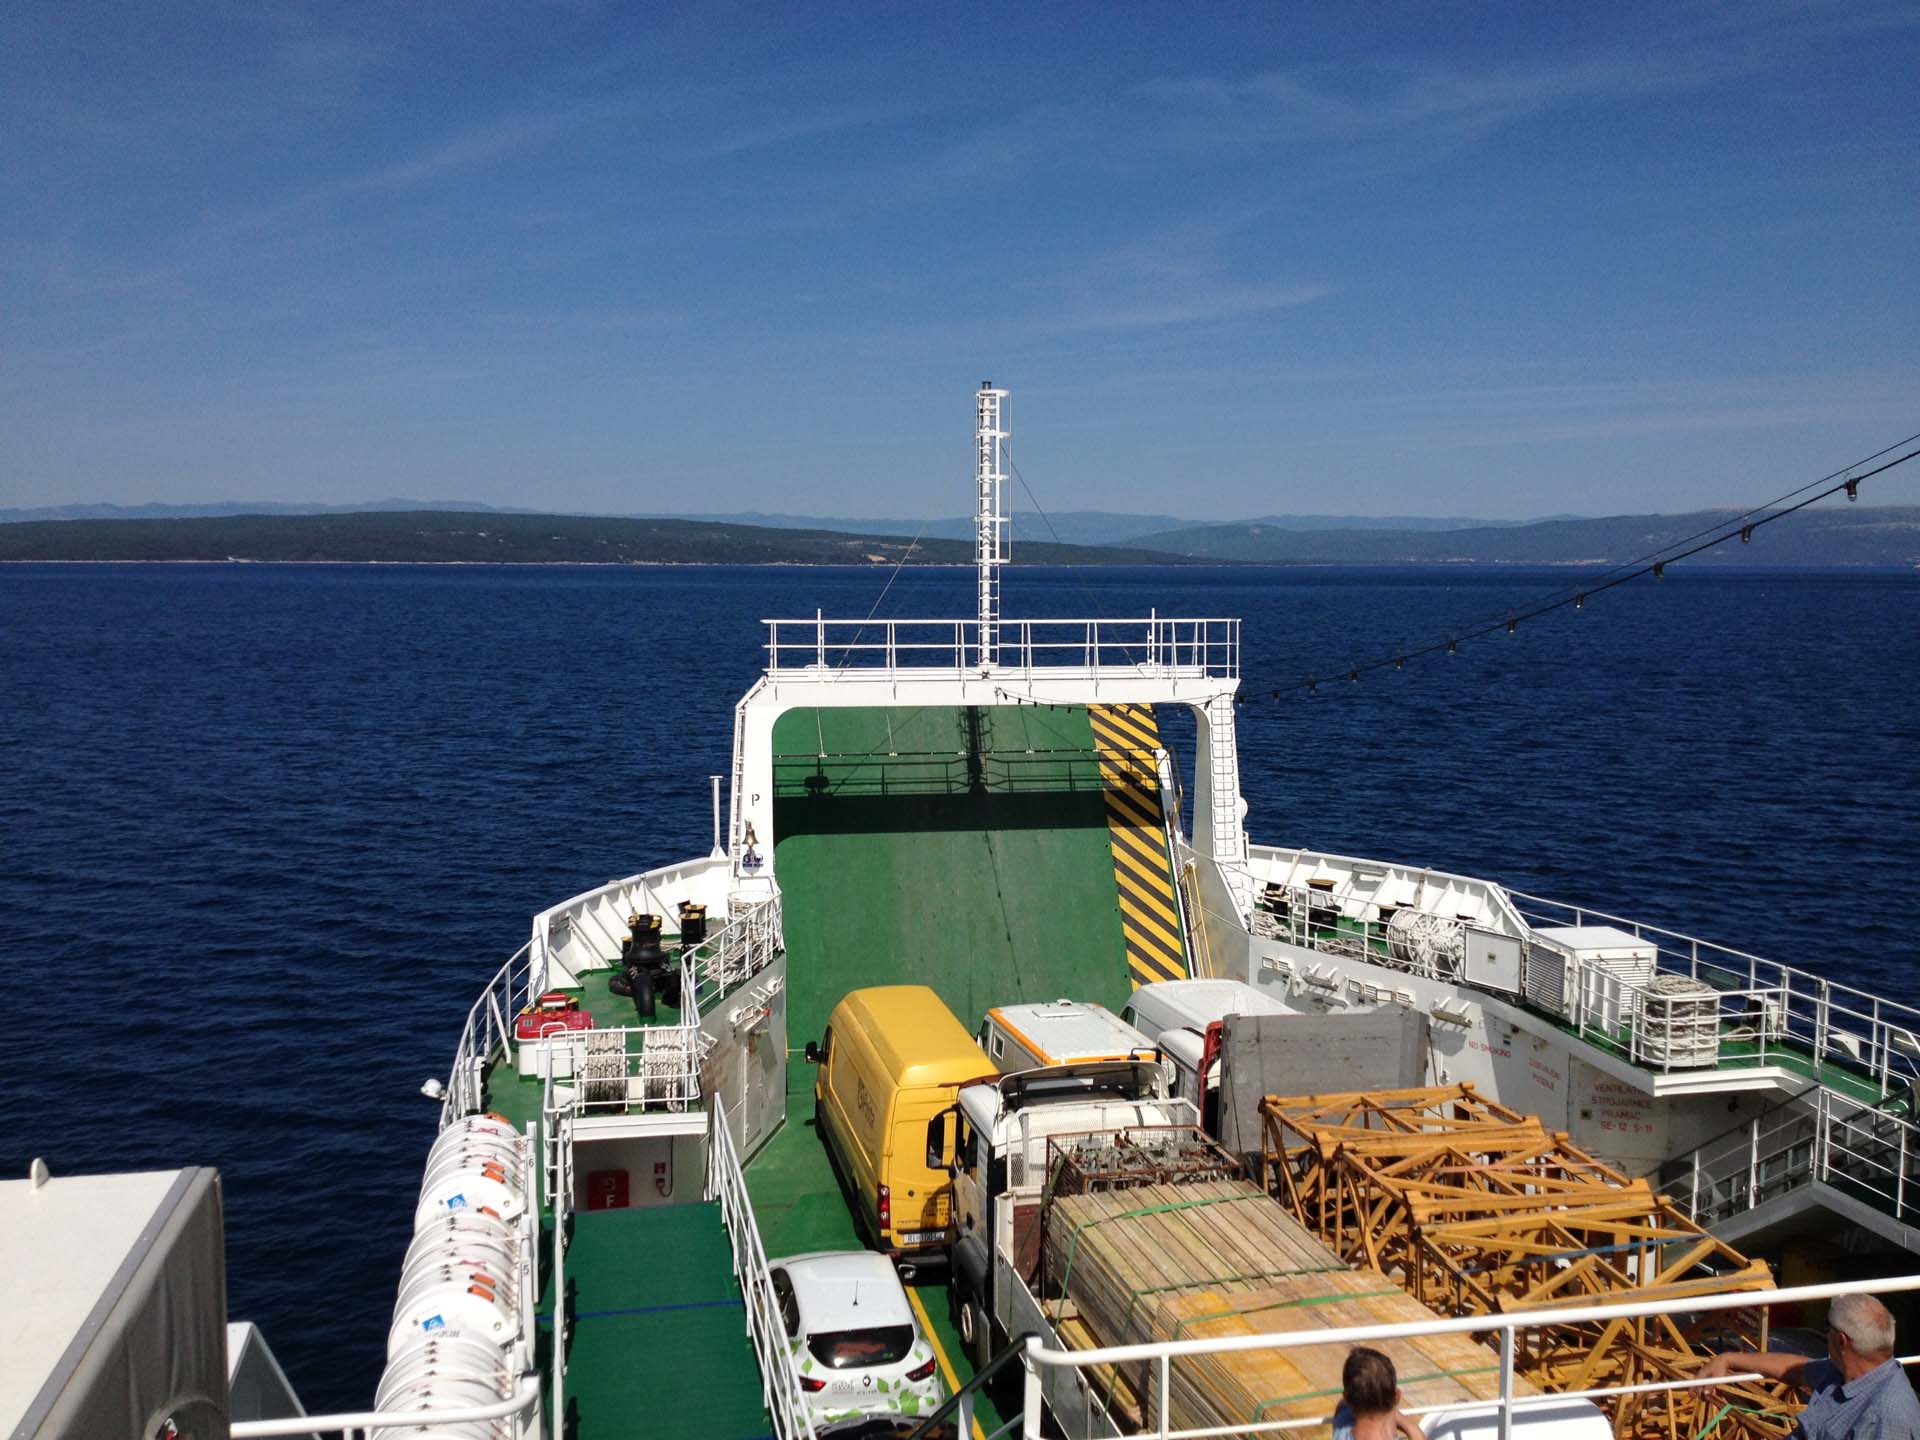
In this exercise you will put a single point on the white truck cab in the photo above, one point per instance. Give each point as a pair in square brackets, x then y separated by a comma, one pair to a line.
[1058, 1032]
[998, 1152]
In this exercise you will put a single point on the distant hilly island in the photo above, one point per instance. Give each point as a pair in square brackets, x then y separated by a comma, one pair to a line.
[450, 532]
[1073, 527]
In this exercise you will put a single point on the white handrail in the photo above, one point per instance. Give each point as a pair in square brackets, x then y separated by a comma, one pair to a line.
[484, 1030]
[727, 1183]
[1149, 645]
[738, 951]
[561, 1203]
[1507, 1326]
[1824, 1016]
[525, 1394]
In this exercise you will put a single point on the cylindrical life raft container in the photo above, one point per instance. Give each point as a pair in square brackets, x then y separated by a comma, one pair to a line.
[448, 1371]
[477, 1164]
[511, 1162]
[476, 1303]
[468, 1237]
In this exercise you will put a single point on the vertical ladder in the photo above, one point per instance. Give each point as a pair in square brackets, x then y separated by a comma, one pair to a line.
[1229, 836]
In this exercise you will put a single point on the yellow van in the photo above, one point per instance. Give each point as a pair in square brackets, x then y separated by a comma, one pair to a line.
[892, 1061]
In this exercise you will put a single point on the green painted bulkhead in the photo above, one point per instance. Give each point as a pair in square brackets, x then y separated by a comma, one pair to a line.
[964, 848]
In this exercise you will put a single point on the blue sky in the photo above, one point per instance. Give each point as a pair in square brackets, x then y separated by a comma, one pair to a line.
[1502, 261]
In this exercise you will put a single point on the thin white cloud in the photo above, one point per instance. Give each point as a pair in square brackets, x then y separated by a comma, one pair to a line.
[803, 127]
[1207, 301]
[1386, 98]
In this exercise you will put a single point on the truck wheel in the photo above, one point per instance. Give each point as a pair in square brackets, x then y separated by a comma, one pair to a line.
[976, 1333]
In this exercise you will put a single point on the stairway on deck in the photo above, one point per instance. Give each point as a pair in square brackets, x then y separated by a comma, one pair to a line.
[659, 1344]
[965, 848]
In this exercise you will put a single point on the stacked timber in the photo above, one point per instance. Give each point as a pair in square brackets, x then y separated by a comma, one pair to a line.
[1202, 1260]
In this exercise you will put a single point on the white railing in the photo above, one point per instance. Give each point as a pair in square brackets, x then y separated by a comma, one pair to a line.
[1154, 647]
[559, 1131]
[357, 1424]
[727, 1183]
[741, 949]
[1360, 888]
[584, 931]
[1775, 1009]
[1816, 1138]
[1767, 1014]
[1162, 1354]
[621, 1069]
[489, 1025]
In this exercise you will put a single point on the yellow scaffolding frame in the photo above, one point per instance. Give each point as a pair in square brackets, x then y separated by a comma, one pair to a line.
[1477, 1209]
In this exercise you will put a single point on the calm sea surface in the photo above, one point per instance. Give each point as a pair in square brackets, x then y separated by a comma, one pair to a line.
[264, 830]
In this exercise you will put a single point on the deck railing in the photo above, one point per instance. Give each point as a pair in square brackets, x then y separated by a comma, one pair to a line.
[357, 1424]
[1153, 647]
[620, 1069]
[1779, 1011]
[1162, 1353]
[488, 1026]
[558, 1130]
[727, 1184]
[1763, 1013]
[741, 949]
[1817, 1137]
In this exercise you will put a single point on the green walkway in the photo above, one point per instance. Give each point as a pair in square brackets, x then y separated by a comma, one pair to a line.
[659, 1343]
[968, 847]
[798, 1201]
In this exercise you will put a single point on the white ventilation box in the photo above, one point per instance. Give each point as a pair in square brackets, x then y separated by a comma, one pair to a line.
[1589, 974]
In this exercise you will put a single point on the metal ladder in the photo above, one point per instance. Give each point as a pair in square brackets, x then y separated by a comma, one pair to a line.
[1223, 796]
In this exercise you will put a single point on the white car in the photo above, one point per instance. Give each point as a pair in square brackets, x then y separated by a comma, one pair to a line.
[856, 1347]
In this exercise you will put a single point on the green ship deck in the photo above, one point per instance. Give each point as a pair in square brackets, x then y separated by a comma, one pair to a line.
[659, 1344]
[968, 848]
[965, 847]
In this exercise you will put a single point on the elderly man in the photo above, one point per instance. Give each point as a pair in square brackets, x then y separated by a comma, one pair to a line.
[1859, 1392]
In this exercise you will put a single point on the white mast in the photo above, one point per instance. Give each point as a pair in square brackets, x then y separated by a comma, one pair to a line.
[991, 446]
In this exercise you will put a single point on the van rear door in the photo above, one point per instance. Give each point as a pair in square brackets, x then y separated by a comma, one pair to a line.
[922, 1197]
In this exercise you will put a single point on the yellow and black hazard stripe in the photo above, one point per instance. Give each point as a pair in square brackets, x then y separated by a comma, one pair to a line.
[1126, 737]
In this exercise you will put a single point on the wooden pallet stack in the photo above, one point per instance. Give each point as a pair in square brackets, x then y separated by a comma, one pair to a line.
[1200, 1260]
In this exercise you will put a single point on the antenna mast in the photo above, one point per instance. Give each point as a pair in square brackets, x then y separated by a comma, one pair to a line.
[991, 446]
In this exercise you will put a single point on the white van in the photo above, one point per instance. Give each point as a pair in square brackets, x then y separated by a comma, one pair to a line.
[1183, 1018]
[1058, 1032]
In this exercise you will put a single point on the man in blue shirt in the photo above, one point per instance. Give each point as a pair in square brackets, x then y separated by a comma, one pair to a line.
[1859, 1391]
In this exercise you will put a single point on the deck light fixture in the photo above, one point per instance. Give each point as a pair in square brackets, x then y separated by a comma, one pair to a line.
[1452, 646]
[1659, 569]
[1580, 600]
[1853, 489]
[1746, 534]
[1512, 625]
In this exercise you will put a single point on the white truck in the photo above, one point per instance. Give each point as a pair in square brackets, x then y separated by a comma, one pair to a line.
[1000, 1141]
[1187, 1019]
[997, 1150]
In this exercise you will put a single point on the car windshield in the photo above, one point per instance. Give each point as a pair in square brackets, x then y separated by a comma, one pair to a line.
[858, 1349]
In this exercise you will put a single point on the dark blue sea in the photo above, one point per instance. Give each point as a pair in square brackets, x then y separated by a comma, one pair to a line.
[264, 830]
